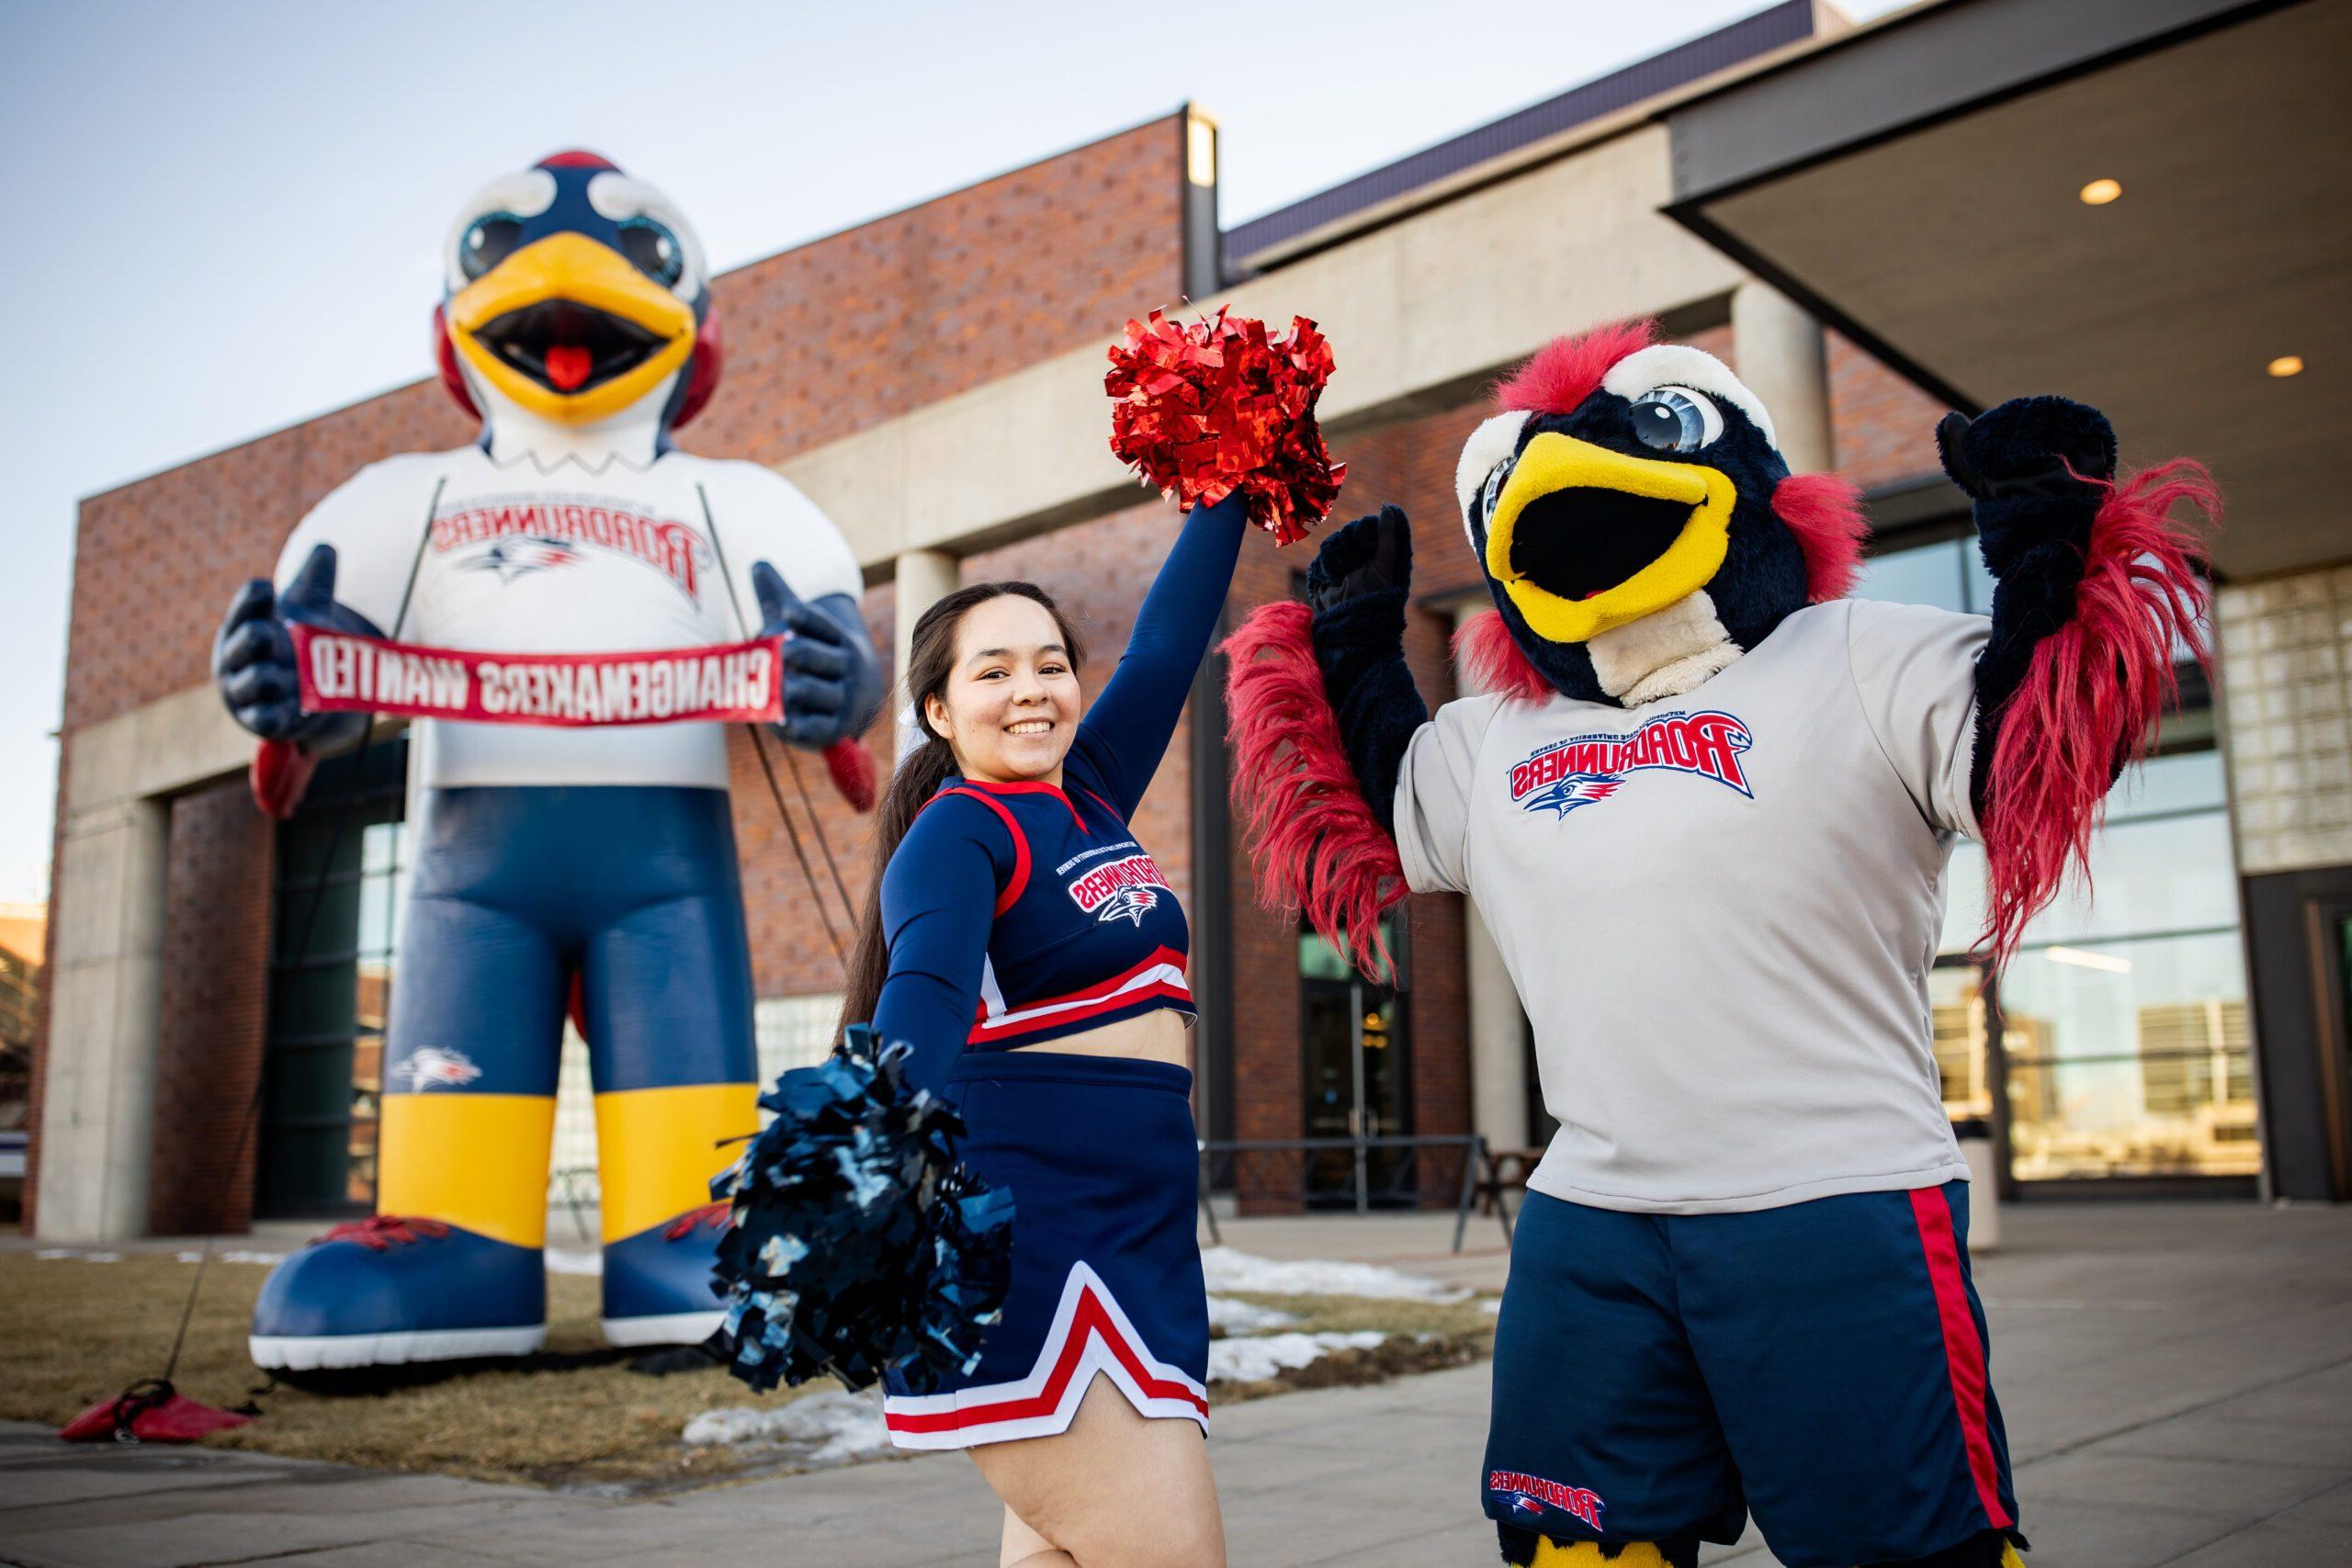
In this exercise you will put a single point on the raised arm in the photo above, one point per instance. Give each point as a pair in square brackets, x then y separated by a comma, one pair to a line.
[1323, 715]
[2096, 590]
[1126, 731]
[939, 899]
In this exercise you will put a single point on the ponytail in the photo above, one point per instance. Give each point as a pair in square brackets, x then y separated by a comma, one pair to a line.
[917, 780]
[931, 658]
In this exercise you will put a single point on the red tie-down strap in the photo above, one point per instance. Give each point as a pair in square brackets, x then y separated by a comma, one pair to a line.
[279, 776]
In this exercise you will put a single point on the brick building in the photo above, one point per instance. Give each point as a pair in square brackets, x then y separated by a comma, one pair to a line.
[974, 323]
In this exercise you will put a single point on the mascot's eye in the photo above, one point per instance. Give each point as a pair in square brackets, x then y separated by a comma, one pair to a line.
[488, 241]
[1494, 482]
[1675, 419]
[652, 249]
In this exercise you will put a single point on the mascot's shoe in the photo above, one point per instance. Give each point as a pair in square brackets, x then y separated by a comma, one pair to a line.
[1529, 1548]
[657, 1282]
[391, 1289]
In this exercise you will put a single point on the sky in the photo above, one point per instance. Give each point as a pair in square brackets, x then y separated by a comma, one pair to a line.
[226, 218]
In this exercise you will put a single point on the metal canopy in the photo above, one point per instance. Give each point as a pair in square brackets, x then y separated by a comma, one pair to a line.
[1916, 184]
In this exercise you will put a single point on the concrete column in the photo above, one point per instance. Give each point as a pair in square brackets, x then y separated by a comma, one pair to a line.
[1497, 1021]
[920, 579]
[1778, 351]
[99, 1111]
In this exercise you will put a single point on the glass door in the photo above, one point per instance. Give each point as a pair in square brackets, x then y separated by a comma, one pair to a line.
[1357, 1085]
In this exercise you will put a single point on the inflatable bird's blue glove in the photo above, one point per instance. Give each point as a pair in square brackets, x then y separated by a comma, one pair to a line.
[832, 678]
[253, 654]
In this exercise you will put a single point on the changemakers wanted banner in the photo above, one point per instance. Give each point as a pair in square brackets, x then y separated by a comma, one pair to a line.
[344, 672]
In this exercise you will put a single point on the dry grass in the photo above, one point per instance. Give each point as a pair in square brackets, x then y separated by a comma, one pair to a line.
[73, 1332]
[76, 1331]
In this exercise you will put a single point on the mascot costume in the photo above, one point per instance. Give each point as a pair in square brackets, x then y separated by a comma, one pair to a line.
[1705, 807]
[574, 845]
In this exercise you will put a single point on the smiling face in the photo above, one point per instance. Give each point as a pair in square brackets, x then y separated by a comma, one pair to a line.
[1010, 702]
[1612, 502]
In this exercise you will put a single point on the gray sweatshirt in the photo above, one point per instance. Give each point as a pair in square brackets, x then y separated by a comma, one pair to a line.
[1720, 908]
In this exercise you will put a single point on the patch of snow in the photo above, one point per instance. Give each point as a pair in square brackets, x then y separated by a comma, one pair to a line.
[1249, 1359]
[1228, 1269]
[79, 1255]
[1246, 1317]
[562, 1261]
[828, 1428]
[1491, 1305]
[234, 1255]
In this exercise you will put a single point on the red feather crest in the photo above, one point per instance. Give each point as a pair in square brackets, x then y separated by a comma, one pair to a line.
[1564, 371]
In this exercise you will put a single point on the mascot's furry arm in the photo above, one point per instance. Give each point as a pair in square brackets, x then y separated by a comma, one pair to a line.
[1356, 588]
[2094, 587]
[1322, 709]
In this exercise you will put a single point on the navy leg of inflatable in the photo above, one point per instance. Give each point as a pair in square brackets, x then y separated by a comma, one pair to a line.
[666, 987]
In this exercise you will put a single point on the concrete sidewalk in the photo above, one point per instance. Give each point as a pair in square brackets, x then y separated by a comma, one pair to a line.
[2178, 1380]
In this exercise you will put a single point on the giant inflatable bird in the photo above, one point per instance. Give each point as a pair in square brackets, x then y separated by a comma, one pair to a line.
[592, 865]
[1705, 807]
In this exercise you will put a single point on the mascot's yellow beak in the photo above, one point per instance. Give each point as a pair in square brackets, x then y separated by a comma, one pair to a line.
[1585, 539]
[568, 329]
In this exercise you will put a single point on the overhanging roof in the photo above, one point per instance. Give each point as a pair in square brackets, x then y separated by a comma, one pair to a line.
[1914, 183]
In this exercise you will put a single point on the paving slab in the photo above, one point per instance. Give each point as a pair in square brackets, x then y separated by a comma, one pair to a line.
[2177, 1382]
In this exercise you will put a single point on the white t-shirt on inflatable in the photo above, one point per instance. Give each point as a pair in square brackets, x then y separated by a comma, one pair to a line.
[526, 556]
[1720, 908]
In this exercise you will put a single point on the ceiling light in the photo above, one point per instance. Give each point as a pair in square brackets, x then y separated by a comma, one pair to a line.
[2098, 193]
[2107, 962]
[2286, 365]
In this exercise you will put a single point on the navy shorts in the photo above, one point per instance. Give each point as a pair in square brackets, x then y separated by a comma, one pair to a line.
[1101, 1156]
[1824, 1364]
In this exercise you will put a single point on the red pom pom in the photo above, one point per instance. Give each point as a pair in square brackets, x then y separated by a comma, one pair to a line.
[1216, 406]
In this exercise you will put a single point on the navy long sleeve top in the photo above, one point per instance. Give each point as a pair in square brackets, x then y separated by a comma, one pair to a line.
[1016, 913]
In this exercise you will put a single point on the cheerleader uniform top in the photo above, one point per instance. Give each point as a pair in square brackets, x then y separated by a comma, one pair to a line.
[1018, 913]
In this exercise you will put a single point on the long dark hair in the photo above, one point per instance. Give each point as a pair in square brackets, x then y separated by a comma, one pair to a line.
[931, 659]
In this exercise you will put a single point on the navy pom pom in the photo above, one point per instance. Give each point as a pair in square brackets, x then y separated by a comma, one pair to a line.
[857, 1242]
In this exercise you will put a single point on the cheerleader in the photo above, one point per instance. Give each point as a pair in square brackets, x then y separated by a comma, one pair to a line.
[1029, 948]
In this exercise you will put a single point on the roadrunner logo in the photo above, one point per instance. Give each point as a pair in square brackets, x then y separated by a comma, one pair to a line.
[510, 558]
[1125, 890]
[434, 1067]
[1532, 1497]
[529, 533]
[1587, 769]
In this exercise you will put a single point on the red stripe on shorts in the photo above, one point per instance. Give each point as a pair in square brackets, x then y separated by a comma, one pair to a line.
[1963, 1352]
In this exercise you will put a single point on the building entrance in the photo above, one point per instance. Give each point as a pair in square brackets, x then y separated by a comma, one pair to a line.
[1358, 1084]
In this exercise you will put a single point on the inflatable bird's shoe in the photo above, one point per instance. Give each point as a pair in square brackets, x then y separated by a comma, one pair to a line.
[568, 609]
[1704, 803]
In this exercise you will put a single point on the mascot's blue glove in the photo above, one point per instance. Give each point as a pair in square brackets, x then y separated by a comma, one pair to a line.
[253, 656]
[832, 678]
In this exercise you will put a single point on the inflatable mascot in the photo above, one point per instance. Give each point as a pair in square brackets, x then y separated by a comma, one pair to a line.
[579, 602]
[1705, 807]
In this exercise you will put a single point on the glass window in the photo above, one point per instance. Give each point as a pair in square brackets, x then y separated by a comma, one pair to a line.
[2129, 1058]
[342, 877]
[2122, 1021]
[1928, 574]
